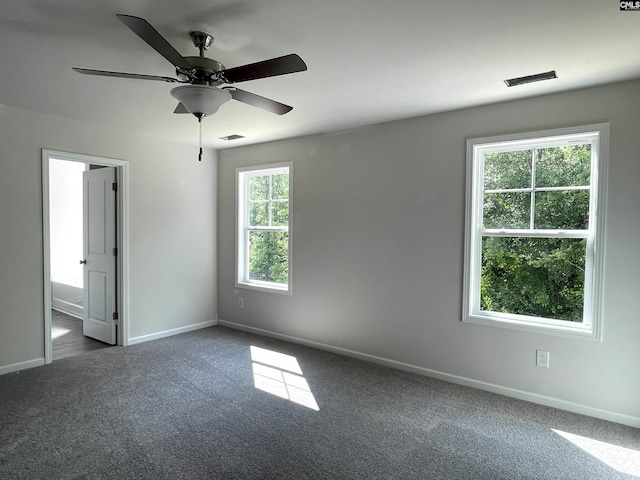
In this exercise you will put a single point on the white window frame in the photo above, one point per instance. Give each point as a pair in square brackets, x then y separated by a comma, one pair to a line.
[591, 326]
[243, 229]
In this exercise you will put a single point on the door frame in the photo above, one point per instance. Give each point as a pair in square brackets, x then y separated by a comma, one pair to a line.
[122, 240]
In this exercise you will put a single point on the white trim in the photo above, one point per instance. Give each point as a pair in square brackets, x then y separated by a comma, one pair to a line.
[46, 258]
[122, 172]
[17, 367]
[447, 377]
[172, 331]
[591, 329]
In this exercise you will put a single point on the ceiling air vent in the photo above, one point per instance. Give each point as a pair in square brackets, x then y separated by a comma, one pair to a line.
[512, 82]
[232, 137]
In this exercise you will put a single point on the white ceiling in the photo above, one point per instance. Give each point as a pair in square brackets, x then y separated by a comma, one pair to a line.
[369, 61]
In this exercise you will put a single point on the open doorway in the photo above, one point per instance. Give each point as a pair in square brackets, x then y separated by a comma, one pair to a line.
[85, 252]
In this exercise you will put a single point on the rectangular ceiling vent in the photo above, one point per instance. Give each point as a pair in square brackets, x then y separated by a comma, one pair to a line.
[231, 137]
[538, 77]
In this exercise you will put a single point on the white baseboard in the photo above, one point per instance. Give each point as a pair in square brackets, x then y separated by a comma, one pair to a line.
[67, 308]
[447, 377]
[17, 367]
[173, 331]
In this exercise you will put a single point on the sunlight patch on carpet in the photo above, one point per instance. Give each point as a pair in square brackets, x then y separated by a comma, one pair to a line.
[619, 458]
[281, 375]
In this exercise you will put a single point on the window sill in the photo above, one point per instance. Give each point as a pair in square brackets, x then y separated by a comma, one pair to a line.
[265, 287]
[572, 330]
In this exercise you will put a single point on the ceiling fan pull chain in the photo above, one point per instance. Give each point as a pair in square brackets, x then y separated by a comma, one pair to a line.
[200, 140]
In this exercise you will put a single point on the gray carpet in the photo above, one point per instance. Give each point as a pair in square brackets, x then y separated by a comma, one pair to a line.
[186, 407]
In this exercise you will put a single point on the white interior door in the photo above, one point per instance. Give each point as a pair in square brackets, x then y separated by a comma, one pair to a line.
[99, 240]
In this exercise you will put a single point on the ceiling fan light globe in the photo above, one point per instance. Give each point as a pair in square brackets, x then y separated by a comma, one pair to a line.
[201, 99]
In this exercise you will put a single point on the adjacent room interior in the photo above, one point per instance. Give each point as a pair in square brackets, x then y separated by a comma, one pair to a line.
[359, 253]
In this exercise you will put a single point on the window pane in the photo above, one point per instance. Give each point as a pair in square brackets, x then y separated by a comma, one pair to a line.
[507, 170]
[539, 277]
[507, 210]
[280, 214]
[564, 166]
[259, 187]
[259, 214]
[268, 256]
[280, 186]
[562, 209]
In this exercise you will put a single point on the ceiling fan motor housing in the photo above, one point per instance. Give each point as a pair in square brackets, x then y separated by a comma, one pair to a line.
[205, 68]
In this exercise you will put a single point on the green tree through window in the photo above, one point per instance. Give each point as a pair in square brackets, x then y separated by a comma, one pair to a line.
[535, 189]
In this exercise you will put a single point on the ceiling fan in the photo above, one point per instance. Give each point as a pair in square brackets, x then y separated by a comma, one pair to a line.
[206, 82]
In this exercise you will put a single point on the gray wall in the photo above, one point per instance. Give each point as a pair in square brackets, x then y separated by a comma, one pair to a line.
[378, 250]
[172, 225]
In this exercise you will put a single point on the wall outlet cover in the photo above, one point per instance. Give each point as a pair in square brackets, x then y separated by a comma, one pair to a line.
[542, 358]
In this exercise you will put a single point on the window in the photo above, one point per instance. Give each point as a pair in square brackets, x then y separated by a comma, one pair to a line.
[535, 231]
[264, 239]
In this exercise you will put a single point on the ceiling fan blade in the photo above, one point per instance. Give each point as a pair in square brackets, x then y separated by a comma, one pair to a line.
[146, 32]
[267, 68]
[137, 76]
[181, 108]
[258, 101]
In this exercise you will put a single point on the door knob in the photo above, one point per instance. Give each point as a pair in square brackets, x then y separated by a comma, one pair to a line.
[82, 262]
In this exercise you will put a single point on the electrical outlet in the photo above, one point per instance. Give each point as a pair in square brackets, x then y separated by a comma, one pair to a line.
[542, 358]
[240, 302]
